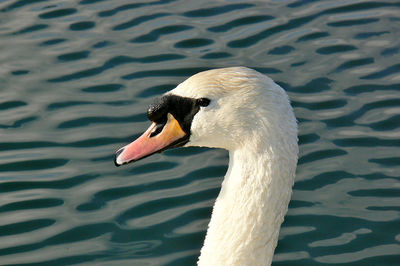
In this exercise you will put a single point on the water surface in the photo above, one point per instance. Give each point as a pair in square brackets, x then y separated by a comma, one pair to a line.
[76, 78]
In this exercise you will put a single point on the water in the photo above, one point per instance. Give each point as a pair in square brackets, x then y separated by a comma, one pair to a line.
[76, 78]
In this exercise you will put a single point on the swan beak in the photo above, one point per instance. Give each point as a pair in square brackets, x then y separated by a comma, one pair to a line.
[147, 144]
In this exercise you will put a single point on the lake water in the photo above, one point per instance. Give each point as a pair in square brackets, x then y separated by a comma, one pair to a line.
[76, 78]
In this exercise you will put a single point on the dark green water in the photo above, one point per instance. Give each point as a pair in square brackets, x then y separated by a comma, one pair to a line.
[76, 78]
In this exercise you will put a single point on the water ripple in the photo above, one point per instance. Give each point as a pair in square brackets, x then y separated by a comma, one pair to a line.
[85, 121]
[193, 43]
[24, 227]
[11, 104]
[355, 63]
[30, 29]
[7, 187]
[384, 73]
[214, 11]
[138, 20]
[390, 161]
[313, 36]
[126, 7]
[18, 4]
[31, 204]
[163, 72]
[73, 56]
[113, 62]
[52, 42]
[58, 13]
[82, 25]
[340, 48]
[320, 155]
[367, 142]
[239, 23]
[254, 39]
[154, 35]
[358, 89]
[352, 22]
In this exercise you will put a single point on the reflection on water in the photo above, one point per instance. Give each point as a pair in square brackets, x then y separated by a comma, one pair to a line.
[75, 82]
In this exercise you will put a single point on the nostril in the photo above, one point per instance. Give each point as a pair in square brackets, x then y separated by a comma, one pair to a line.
[157, 130]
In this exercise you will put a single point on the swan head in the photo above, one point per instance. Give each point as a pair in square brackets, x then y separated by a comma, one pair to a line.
[221, 108]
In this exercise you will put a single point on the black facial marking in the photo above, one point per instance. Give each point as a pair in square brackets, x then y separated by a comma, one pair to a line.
[182, 108]
[157, 111]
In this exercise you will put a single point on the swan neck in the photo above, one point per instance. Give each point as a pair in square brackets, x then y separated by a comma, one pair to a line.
[250, 208]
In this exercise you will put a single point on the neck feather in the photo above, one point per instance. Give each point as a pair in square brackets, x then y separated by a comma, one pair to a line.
[250, 208]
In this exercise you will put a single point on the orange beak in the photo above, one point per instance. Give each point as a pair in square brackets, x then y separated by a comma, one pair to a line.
[171, 135]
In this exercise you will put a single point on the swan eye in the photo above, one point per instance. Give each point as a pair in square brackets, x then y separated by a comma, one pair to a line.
[203, 102]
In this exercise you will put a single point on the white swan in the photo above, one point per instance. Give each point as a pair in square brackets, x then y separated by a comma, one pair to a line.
[245, 112]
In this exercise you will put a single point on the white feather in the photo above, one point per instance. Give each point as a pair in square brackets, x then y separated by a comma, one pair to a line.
[251, 117]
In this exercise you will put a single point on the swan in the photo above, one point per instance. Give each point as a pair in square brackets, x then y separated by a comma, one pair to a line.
[248, 114]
